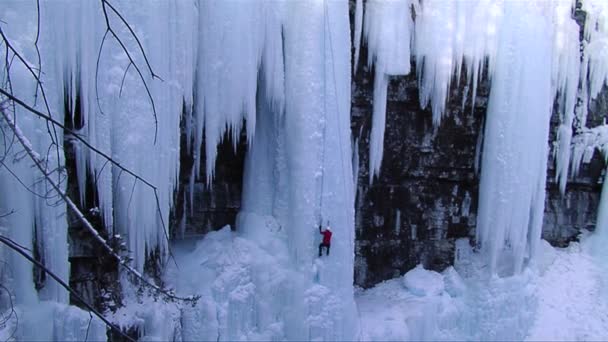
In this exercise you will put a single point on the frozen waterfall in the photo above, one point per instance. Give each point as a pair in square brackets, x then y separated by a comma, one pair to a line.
[135, 78]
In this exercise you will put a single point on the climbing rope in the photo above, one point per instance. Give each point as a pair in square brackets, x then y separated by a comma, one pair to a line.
[320, 205]
[327, 28]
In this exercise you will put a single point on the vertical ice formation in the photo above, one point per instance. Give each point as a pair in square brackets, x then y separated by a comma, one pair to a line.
[357, 33]
[38, 222]
[485, 35]
[279, 69]
[293, 146]
[593, 72]
[566, 70]
[572, 75]
[448, 36]
[584, 146]
[38, 219]
[108, 106]
[387, 29]
[594, 69]
[512, 189]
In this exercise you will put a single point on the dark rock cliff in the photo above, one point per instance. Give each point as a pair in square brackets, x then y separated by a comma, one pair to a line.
[426, 194]
[423, 200]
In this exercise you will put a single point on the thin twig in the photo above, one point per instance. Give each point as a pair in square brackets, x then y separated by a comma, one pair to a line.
[7, 214]
[86, 336]
[109, 29]
[37, 48]
[21, 182]
[12, 245]
[39, 164]
[13, 312]
[97, 71]
[122, 83]
[97, 151]
[141, 48]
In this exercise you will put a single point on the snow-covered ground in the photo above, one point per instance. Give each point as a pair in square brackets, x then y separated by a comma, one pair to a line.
[562, 299]
[243, 279]
[572, 305]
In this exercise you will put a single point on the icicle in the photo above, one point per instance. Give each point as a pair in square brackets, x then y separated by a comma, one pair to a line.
[447, 35]
[387, 29]
[358, 29]
[231, 43]
[566, 70]
[376, 144]
[514, 156]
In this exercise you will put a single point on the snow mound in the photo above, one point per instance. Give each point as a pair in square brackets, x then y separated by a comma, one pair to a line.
[454, 284]
[545, 257]
[423, 282]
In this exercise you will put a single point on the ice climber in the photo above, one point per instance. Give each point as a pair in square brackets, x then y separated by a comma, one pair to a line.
[326, 239]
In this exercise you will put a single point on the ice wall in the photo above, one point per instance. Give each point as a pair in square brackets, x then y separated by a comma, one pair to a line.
[306, 146]
[461, 42]
[387, 29]
[129, 71]
[33, 215]
[514, 160]
[38, 219]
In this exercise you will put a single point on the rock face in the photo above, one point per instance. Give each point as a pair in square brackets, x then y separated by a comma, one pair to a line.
[423, 200]
[209, 207]
[426, 194]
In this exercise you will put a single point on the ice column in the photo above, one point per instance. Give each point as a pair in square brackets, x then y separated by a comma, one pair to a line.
[387, 29]
[512, 189]
[300, 159]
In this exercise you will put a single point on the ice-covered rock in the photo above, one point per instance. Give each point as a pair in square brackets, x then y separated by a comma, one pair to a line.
[454, 284]
[423, 282]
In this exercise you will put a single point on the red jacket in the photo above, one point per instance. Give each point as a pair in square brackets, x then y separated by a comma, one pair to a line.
[326, 237]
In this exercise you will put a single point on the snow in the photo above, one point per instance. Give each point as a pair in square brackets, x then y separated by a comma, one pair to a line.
[572, 305]
[421, 282]
[281, 71]
[247, 288]
[52, 321]
[564, 302]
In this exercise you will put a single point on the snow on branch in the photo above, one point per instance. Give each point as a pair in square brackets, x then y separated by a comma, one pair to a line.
[39, 163]
[14, 246]
[78, 137]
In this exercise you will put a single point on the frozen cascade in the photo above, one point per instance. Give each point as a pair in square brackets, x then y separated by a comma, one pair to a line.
[192, 56]
[513, 173]
[594, 70]
[387, 29]
[449, 35]
[286, 95]
[38, 222]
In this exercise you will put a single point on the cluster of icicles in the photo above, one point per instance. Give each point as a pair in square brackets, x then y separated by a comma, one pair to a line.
[531, 53]
[529, 50]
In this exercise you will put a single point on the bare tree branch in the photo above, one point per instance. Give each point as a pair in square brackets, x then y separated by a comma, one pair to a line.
[40, 165]
[12, 245]
[97, 151]
[104, 4]
[37, 48]
[7, 214]
[26, 187]
[11, 314]
[53, 135]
